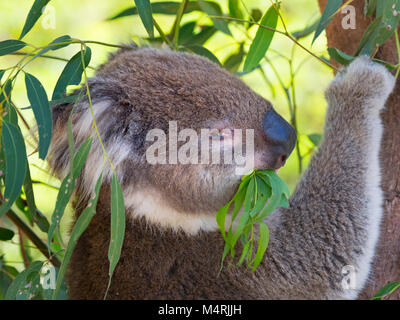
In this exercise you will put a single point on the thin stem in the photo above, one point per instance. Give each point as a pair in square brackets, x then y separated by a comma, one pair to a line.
[22, 248]
[177, 22]
[162, 34]
[294, 109]
[31, 235]
[396, 34]
[279, 14]
[286, 34]
[43, 56]
[91, 108]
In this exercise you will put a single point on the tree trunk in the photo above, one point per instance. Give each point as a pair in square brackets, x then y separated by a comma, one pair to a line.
[386, 266]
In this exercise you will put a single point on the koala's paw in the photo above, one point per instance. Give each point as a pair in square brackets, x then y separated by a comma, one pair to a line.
[363, 79]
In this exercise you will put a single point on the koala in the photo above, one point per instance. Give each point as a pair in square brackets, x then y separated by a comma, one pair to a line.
[172, 247]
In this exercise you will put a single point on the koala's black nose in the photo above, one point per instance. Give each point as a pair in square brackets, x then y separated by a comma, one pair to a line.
[281, 136]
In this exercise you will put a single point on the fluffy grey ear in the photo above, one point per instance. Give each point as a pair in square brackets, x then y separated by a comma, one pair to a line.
[58, 153]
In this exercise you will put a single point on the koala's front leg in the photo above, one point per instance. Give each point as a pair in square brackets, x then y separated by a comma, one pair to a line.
[332, 226]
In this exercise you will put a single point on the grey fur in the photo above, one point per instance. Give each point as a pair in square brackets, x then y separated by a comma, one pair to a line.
[335, 211]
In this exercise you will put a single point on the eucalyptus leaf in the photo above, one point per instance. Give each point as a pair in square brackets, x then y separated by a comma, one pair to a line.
[79, 227]
[30, 198]
[262, 245]
[117, 224]
[201, 51]
[71, 74]
[52, 46]
[146, 15]
[306, 31]
[165, 7]
[332, 6]
[10, 46]
[41, 109]
[262, 40]
[16, 160]
[367, 41]
[233, 62]
[370, 7]
[234, 9]
[259, 194]
[20, 282]
[315, 138]
[67, 187]
[199, 38]
[212, 10]
[387, 290]
[6, 234]
[33, 15]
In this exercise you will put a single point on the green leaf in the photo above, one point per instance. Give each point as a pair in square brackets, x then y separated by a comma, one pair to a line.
[284, 203]
[370, 7]
[15, 157]
[67, 187]
[221, 218]
[33, 15]
[186, 32]
[380, 7]
[278, 188]
[315, 138]
[198, 38]
[41, 220]
[329, 12]
[366, 42]
[10, 46]
[306, 31]
[211, 10]
[146, 15]
[234, 9]
[117, 225]
[52, 46]
[233, 62]
[28, 190]
[388, 65]
[2, 73]
[387, 290]
[244, 218]
[165, 7]
[252, 195]
[245, 251]
[80, 157]
[389, 22]
[263, 194]
[262, 245]
[9, 113]
[5, 281]
[201, 51]
[256, 14]
[6, 234]
[17, 286]
[36, 215]
[262, 40]
[80, 226]
[41, 109]
[340, 56]
[72, 73]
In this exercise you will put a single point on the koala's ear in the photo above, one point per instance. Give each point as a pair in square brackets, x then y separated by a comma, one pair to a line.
[58, 153]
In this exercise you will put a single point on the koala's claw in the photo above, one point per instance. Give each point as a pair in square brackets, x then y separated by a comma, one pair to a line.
[364, 78]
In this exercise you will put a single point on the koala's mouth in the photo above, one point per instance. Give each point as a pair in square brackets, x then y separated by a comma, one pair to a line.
[269, 161]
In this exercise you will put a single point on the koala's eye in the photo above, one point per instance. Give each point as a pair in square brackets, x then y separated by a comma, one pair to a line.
[216, 134]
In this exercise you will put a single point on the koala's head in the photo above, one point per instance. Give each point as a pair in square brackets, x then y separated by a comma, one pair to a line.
[137, 91]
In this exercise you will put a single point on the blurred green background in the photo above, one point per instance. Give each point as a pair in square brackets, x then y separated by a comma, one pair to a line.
[87, 20]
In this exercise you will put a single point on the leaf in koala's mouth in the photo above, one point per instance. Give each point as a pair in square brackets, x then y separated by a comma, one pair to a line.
[259, 194]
